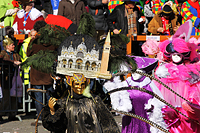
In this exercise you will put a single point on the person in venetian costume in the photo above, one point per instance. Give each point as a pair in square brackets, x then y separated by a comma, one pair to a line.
[84, 112]
[181, 73]
[135, 101]
[79, 111]
[26, 18]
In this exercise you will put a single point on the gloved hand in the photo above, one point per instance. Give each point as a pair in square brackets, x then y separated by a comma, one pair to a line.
[51, 104]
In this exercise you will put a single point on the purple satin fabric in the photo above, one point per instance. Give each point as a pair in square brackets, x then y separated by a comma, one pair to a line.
[138, 99]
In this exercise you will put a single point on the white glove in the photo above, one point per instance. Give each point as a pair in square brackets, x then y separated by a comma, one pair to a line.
[11, 11]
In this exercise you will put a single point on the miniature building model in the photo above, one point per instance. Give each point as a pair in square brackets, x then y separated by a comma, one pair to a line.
[81, 60]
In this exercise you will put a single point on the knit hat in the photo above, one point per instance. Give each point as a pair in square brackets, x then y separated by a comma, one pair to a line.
[167, 10]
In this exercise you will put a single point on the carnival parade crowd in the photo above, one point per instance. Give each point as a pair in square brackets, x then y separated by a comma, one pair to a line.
[76, 50]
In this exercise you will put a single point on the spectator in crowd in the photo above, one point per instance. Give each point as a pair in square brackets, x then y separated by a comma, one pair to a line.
[39, 79]
[165, 22]
[8, 55]
[23, 50]
[122, 21]
[72, 9]
[10, 32]
[7, 9]
[99, 11]
[26, 18]
[191, 11]
[113, 3]
[159, 4]
[33, 34]
[22, 53]
[148, 13]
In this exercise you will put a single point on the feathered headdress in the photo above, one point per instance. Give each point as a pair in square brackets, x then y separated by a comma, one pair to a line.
[178, 43]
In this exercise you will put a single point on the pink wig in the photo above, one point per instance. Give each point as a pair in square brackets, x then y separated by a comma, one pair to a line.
[150, 47]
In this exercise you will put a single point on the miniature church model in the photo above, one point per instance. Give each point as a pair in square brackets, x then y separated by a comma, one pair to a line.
[81, 60]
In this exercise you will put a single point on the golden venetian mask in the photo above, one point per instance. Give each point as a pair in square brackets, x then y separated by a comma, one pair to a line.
[78, 82]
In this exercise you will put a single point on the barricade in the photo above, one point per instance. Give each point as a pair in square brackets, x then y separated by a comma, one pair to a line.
[11, 104]
[26, 100]
[8, 104]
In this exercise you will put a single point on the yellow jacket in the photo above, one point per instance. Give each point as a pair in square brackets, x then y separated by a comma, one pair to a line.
[23, 55]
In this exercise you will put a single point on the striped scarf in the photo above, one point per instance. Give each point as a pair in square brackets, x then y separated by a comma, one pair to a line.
[132, 21]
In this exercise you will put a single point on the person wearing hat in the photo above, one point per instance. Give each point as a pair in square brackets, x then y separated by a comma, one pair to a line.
[124, 20]
[79, 112]
[165, 22]
[8, 52]
[135, 101]
[8, 8]
[8, 56]
[26, 18]
[120, 17]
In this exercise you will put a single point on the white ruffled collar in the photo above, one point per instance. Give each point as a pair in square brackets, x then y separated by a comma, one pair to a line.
[34, 14]
[144, 82]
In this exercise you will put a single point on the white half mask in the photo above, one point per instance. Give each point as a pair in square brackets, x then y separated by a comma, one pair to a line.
[176, 58]
[137, 76]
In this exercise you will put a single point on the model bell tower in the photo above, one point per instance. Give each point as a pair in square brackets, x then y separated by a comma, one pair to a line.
[105, 55]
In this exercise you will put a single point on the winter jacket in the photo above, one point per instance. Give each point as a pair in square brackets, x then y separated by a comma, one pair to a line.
[156, 22]
[71, 11]
[121, 23]
[23, 54]
[99, 12]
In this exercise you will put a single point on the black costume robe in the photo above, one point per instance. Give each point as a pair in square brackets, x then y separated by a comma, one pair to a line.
[80, 115]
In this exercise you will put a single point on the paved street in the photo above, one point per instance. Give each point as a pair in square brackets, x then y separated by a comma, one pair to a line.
[24, 126]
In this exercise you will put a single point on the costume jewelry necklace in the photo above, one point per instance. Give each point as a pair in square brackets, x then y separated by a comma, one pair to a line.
[26, 17]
